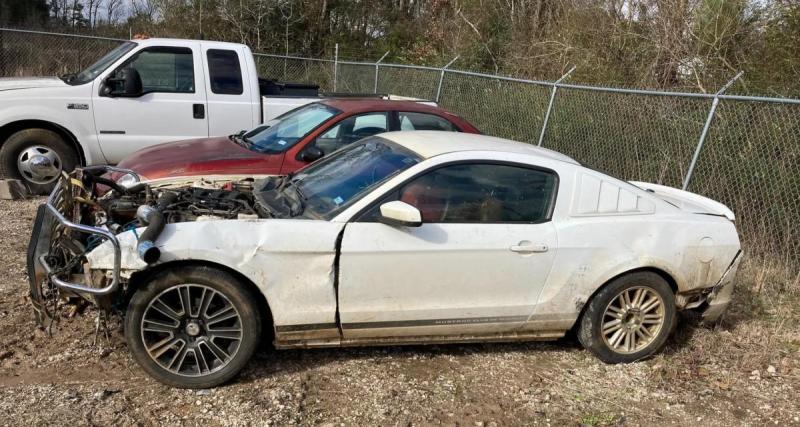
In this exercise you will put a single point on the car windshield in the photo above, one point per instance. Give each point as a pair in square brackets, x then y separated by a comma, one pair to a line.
[339, 180]
[291, 128]
[98, 67]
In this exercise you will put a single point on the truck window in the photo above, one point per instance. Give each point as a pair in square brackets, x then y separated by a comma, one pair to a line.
[225, 72]
[164, 69]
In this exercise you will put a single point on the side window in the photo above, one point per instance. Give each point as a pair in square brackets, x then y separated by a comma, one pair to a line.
[422, 121]
[165, 69]
[351, 130]
[225, 73]
[478, 193]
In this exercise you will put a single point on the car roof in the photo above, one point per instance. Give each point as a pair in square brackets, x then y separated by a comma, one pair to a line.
[433, 143]
[357, 105]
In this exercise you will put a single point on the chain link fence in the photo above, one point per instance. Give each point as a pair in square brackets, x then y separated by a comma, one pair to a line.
[741, 151]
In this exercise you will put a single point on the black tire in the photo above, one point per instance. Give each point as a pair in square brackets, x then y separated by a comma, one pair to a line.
[607, 348]
[25, 139]
[163, 285]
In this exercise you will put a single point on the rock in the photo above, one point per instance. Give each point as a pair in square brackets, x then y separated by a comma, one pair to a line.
[771, 369]
[105, 393]
[12, 189]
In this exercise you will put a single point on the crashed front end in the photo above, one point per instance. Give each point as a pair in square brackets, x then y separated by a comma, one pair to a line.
[86, 209]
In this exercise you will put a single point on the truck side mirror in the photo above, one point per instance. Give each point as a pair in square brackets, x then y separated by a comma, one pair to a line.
[311, 153]
[124, 83]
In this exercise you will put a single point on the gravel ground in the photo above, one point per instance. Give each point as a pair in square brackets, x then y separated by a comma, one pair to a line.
[746, 371]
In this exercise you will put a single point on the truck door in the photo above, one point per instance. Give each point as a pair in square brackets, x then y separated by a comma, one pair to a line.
[172, 105]
[233, 105]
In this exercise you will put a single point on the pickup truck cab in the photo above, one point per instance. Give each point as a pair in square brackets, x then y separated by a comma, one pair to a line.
[141, 93]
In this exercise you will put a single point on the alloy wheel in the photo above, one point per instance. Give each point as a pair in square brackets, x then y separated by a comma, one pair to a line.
[191, 330]
[633, 319]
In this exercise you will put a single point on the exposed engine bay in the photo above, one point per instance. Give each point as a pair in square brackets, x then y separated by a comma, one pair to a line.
[87, 208]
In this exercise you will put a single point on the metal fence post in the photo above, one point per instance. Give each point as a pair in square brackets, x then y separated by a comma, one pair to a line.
[335, 65]
[2, 55]
[550, 105]
[709, 119]
[377, 65]
[441, 77]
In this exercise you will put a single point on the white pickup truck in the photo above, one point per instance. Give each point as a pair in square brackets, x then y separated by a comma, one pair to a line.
[141, 93]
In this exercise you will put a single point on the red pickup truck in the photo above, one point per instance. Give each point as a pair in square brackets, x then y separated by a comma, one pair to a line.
[292, 140]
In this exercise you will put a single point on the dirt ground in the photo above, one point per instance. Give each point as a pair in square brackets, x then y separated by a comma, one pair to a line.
[745, 371]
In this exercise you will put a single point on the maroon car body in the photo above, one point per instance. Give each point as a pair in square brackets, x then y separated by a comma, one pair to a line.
[341, 121]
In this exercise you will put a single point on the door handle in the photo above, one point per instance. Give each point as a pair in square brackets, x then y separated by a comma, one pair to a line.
[527, 248]
[199, 111]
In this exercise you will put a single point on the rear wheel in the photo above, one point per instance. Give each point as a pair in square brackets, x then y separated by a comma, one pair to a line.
[36, 157]
[193, 327]
[629, 319]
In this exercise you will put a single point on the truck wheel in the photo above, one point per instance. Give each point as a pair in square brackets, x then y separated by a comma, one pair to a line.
[629, 319]
[37, 157]
[192, 327]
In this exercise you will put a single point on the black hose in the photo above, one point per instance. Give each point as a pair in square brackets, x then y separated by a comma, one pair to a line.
[153, 217]
[109, 183]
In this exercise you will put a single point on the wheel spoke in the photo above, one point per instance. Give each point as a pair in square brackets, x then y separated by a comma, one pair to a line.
[627, 341]
[162, 346]
[178, 357]
[617, 311]
[205, 301]
[651, 304]
[201, 360]
[614, 340]
[150, 325]
[621, 302]
[638, 296]
[611, 326]
[186, 300]
[219, 353]
[652, 318]
[166, 310]
[226, 333]
[223, 314]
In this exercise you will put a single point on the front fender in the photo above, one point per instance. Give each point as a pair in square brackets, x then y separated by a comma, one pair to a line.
[24, 105]
[290, 261]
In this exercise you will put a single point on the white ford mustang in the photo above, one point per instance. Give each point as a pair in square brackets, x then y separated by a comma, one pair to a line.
[417, 237]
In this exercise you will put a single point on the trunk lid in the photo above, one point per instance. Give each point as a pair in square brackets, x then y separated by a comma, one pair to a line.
[689, 202]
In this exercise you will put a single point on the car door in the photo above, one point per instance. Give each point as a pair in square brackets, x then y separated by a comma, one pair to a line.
[475, 266]
[172, 106]
[230, 99]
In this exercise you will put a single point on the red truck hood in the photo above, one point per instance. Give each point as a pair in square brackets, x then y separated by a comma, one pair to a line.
[206, 156]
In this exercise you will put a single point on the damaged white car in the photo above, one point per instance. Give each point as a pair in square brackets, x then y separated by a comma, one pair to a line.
[406, 237]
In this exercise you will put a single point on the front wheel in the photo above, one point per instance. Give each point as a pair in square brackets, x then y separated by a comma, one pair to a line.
[37, 157]
[629, 319]
[193, 327]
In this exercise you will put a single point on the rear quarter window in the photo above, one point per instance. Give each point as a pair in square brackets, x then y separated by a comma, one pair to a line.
[225, 72]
